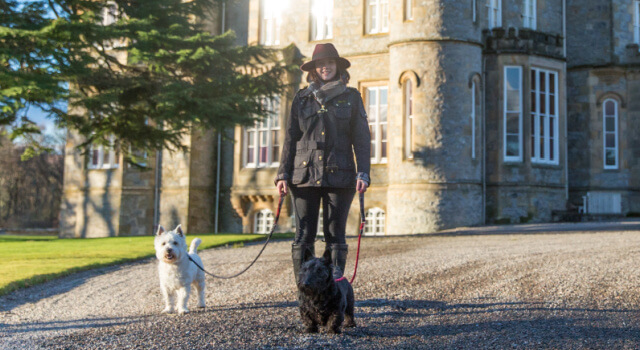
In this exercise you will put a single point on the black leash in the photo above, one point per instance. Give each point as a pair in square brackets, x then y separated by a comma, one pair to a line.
[261, 250]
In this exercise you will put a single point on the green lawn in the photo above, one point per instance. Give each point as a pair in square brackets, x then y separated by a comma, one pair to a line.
[28, 260]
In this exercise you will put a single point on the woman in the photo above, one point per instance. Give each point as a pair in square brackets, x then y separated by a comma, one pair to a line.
[327, 126]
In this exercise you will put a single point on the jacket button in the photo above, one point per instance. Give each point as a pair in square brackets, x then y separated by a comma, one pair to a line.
[304, 163]
[320, 157]
[318, 182]
[323, 133]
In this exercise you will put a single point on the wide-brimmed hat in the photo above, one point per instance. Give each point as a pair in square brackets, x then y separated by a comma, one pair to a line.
[325, 51]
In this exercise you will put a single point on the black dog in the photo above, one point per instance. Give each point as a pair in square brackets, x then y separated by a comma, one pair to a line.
[323, 300]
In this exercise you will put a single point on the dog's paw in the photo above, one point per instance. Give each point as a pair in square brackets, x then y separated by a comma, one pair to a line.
[167, 310]
[183, 311]
[311, 329]
[333, 330]
[350, 324]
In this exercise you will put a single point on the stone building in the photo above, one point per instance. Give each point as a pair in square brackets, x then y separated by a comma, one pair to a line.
[480, 112]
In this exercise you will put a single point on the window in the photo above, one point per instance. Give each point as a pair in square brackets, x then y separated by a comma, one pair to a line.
[636, 22]
[610, 135]
[512, 113]
[261, 142]
[263, 221]
[529, 15]
[377, 16]
[376, 97]
[473, 10]
[408, 10]
[494, 8]
[270, 21]
[104, 157]
[321, 19]
[109, 13]
[544, 116]
[374, 222]
[407, 89]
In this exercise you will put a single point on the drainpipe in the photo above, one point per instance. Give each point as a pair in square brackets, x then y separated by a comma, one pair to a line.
[156, 198]
[566, 116]
[484, 140]
[217, 207]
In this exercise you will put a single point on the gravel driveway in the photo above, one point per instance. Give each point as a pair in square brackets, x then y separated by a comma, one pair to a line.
[560, 286]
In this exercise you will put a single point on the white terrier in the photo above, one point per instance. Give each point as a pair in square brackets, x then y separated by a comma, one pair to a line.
[177, 273]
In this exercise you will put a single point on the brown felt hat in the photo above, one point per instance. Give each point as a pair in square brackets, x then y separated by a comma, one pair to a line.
[325, 51]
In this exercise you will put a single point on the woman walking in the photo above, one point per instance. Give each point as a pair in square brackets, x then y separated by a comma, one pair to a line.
[327, 127]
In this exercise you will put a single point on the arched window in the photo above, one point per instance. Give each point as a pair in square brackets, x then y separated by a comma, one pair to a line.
[610, 134]
[407, 91]
[263, 221]
[374, 222]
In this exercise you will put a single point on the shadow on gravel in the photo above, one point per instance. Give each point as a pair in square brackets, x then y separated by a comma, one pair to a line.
[85, 323]
[382, 318]
[284, 304]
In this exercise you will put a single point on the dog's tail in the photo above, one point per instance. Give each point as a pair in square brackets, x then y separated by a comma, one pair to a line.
[194, 245]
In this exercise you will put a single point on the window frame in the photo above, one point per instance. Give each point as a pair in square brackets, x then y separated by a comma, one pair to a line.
[546, 117]
[494, 22]
[408, 110]
[616, 133]
[270, 23]
[373, 225]
[408, 10]
[266, 221]
[636, 22]
[380, 18]
[519, 157]
[273, 124]
[112, 153]
[532, 18]
[325, 7]
[376, 139]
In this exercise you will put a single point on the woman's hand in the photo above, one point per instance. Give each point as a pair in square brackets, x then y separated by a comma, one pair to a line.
[282, 187]
[361, 186]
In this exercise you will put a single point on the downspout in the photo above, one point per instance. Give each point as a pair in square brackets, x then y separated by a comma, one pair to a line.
[156, 198]
[484, 140]
[566, 100]
[217, 207]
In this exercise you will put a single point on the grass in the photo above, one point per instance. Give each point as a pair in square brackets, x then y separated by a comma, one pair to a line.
[29, 260]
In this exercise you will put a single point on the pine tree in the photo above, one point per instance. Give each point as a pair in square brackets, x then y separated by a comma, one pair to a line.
[144, 71]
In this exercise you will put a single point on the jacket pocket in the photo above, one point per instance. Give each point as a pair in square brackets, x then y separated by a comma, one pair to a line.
[301, 164]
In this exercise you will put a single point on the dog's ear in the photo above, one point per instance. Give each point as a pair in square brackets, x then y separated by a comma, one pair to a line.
[327, 255]
[179, 230]
[307, 255]
[160, 230]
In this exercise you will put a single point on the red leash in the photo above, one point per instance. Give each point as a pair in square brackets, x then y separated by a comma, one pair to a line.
[362, 222]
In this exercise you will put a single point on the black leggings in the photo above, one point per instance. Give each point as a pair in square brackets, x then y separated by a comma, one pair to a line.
[335, 209]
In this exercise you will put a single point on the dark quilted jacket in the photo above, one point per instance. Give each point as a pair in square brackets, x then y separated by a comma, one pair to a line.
[320, 143]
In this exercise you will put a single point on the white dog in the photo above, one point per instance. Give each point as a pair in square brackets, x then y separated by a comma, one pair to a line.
[177, 273]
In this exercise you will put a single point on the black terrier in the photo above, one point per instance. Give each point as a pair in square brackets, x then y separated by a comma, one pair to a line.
[323, 300]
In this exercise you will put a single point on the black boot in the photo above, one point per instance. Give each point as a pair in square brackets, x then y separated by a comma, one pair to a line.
[299, 254]
[338, 258]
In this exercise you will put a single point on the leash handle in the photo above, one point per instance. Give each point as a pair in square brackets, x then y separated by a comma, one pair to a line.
[273, 228]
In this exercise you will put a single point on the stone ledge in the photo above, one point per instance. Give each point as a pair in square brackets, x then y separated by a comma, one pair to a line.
[523, 41]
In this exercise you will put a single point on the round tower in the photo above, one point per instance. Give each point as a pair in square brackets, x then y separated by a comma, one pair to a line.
[436, 155]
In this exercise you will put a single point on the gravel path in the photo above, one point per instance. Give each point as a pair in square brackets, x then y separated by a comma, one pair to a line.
[563, 289]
